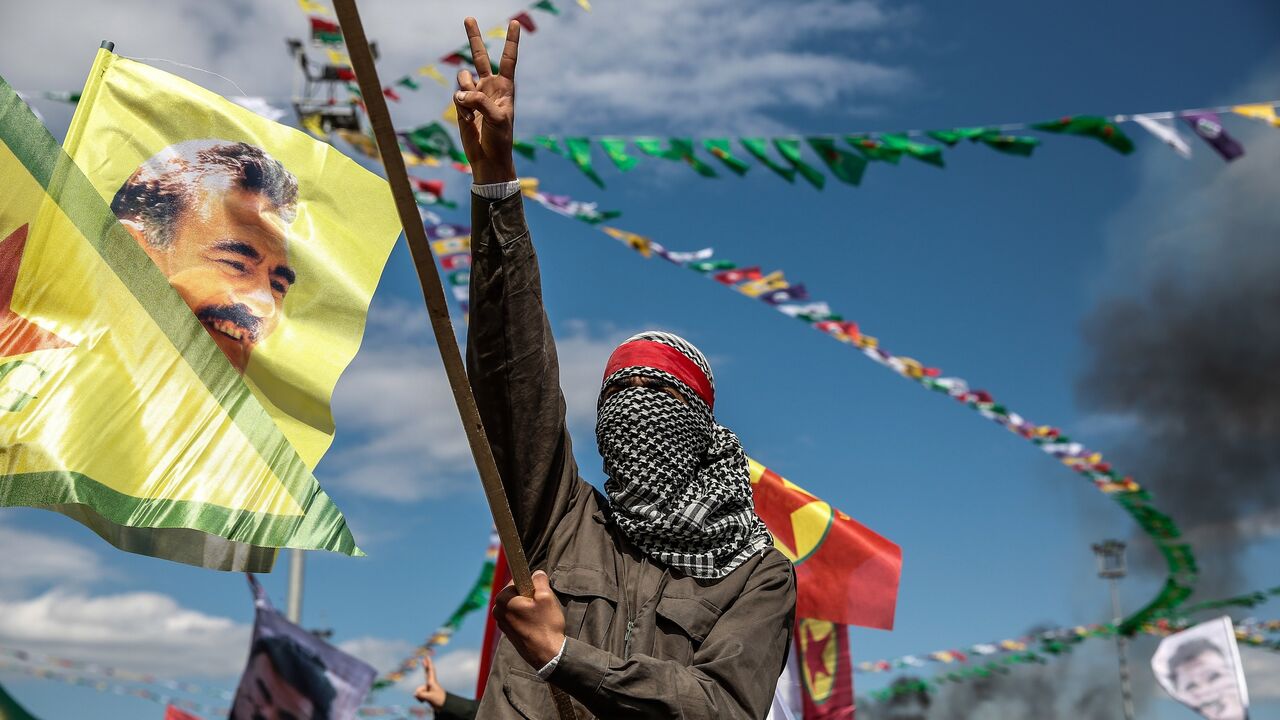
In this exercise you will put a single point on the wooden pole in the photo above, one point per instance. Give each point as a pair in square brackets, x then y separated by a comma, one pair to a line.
[437, 308]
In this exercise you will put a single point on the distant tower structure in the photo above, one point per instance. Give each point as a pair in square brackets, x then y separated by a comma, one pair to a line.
[323, 93]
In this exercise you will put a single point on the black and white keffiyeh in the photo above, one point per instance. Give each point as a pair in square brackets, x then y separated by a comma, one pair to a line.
[677, 481]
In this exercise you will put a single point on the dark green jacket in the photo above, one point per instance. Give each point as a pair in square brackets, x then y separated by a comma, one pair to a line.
[643, 641]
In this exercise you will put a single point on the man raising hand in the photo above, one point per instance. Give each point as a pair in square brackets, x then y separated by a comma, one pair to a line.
[663, 597]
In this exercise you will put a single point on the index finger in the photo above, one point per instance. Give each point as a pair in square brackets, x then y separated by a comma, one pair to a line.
[507, 68]
[479, 53]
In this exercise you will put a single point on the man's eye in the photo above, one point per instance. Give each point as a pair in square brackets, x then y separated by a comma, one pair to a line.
[279, 287]
[234, 264]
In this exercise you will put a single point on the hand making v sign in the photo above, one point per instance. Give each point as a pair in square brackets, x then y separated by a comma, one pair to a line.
[487, 106]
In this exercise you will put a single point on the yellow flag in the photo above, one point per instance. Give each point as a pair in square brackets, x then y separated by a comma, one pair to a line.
[184, 286]
[337, 57]
[1261, 111]
[431, 72]
[312, 7]
[450, 114]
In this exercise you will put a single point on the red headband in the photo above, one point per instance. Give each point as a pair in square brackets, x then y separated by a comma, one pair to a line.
[659, 356]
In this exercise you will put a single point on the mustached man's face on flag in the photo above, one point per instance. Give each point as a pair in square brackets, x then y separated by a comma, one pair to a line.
[215, 217]
[283, 682]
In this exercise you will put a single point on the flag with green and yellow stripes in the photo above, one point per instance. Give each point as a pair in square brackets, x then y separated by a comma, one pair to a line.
[179, 291]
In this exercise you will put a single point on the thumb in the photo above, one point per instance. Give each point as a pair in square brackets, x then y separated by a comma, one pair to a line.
[541, 583]
[476, 101]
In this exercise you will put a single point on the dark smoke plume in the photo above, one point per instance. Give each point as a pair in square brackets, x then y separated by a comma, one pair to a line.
[1189, 357]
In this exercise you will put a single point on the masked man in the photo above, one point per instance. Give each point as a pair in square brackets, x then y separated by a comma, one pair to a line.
[665, 599]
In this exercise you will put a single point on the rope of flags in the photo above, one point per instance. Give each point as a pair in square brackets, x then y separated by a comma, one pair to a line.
[1249, 631]
[846, 156]
[106, 671]
[793, 299]
[115, 688]
[477, 598]
[1056, 643]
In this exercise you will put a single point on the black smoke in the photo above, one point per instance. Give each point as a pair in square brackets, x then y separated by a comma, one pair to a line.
[1188, 353]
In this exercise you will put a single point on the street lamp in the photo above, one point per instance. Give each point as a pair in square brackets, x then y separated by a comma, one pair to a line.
[1110, 556]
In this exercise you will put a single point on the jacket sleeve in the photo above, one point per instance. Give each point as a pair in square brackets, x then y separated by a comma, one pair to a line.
[733, 673]
[512, 366]
[457, 708]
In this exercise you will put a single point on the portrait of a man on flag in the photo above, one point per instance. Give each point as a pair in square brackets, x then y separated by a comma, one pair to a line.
[215, 216]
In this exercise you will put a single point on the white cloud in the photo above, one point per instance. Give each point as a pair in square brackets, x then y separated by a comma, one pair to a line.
[44, 559]
[384, 655]
[401, 439]
[140, 631]
[714, 66]
[661, 66]
[456, 670]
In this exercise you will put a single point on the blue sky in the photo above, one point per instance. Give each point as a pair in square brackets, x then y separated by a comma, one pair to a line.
[985, 269]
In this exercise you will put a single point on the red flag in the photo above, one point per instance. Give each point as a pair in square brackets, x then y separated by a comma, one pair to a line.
[391, 94]
[173, 713]
[457, 261]
[434, 187]
[845, 573]
[826, 672]
[489, 648]
[737, 275]
[525, 21]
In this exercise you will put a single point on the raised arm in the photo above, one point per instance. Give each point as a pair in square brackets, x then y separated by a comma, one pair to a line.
[511, 356]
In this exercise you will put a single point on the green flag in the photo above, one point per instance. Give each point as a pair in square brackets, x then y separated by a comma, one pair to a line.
[11, 710]
[706, 266]
[524, 148]
[758, 150]
[789, 148]
[408, 82]
[676, 149]
[873, 149]
[924, 152]
[1020, 145]
[580, 153]
[955, 135]
[547, 6]
[436, 141]
[1093, 126]
[464, 52]
[616, 149]
[846, 166]
[719, 147]
[62, 96]
[548, 142]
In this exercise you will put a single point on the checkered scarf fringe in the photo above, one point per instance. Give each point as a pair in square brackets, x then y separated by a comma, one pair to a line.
[677, 481]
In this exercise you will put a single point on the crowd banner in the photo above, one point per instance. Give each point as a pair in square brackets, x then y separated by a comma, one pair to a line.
[292, 673]
[1200, 667]
[165, 375]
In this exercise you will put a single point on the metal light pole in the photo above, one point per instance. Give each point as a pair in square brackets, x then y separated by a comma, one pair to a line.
[1110, 555]
[293, 602]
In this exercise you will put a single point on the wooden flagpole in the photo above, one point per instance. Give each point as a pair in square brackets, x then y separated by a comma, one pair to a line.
[437, 308]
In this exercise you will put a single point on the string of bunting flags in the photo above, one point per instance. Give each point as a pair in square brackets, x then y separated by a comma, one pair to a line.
[793, 299]
[1055, 643]
[477, 598]
[846, 156]
[1021, 650]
